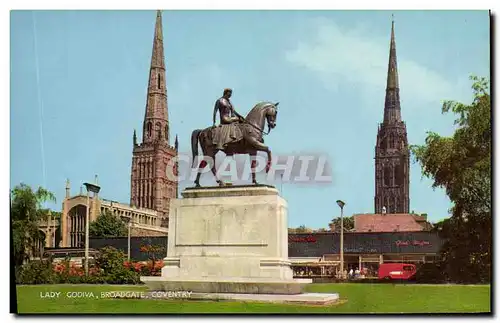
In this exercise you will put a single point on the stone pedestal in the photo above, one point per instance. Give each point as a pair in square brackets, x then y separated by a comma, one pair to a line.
[228, 240]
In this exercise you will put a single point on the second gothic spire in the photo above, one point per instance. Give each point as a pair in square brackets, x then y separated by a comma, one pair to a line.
[392, 71]
[392, 108]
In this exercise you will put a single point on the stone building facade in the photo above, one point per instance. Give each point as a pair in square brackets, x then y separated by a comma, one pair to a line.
[144, 222]
[392, 159]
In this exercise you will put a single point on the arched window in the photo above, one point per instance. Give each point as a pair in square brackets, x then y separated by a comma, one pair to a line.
[401, 145]
[159, 81]
[387, 175]
[383, 142]
[158, 131]
[149, 128]
[399, 175]
[390, 141]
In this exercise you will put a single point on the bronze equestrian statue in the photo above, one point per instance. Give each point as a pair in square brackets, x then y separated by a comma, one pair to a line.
[235, 134]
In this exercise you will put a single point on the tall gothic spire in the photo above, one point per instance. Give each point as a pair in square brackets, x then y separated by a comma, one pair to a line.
[392, 71]
[158, 60]
[150, 185]
[156, 128]
[392, 163]
[392, 109]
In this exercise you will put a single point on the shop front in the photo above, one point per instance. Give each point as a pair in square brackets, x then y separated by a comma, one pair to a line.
[318, 254]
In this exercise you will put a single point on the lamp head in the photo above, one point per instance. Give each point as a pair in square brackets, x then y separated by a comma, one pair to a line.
[340, 203]
[92, 187]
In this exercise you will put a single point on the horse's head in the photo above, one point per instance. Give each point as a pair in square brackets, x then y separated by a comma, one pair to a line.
[271, 115]
[264, 111]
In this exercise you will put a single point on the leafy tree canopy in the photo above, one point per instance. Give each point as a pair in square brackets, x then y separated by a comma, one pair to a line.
[301, 229]
[108, 225]
[26, 213]
[348, 224]
[461, 164]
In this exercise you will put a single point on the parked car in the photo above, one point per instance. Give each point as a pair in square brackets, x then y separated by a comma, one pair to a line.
[397, 271]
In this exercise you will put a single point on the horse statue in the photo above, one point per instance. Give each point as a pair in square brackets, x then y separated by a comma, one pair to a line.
[245, 138]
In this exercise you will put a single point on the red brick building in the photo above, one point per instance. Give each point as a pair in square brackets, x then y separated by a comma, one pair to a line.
[390, 222]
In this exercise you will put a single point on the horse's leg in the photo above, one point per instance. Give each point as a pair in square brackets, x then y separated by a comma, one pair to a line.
[259, 146]
[208, 151]
[211, 152]
[253, 153]
[203, 163]
[214, 170]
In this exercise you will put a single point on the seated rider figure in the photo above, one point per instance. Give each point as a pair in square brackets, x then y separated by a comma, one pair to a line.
[227, 131]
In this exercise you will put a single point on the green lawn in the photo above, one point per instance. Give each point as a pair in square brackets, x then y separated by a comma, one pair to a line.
[360, 298]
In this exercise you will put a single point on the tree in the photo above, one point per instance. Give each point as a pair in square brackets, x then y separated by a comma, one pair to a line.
[301, 229]
[334, 225]
[108, 225]
[26, 213]
[57, 216]
[461, 164]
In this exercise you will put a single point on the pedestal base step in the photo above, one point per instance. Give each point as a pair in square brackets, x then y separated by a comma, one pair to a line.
[227, 286]
[304, 299]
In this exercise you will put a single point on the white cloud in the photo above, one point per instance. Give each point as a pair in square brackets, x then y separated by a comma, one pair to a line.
[205, 74]
[339, 55]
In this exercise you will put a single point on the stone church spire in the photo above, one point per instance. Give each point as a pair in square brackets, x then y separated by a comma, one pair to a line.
[392, 110]
[392, 171]
[392, 71]
[151, 187]
[156, 127]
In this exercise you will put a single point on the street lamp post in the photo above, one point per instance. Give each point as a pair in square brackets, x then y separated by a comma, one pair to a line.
[341, 205]
[128, 246]
[128, 221]
[94, 189]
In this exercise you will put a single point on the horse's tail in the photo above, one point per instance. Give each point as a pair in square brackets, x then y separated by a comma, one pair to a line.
[194, 144]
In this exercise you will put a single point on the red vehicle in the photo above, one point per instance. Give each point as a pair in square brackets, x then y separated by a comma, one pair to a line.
[396, 271]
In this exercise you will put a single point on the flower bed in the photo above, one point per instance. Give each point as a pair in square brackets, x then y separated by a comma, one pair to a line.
[145, 268]
[108, 268]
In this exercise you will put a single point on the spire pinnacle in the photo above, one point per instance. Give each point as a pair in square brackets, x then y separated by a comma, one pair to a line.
[176, 143]
[157, 59]
[392, 110]
[155, 126]
[392, 72]
[67, 188]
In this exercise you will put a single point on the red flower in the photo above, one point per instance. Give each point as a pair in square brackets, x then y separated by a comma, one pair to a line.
[158, 264]
[138, 266]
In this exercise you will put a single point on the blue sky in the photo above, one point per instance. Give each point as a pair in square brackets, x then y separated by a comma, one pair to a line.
[75, 116]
